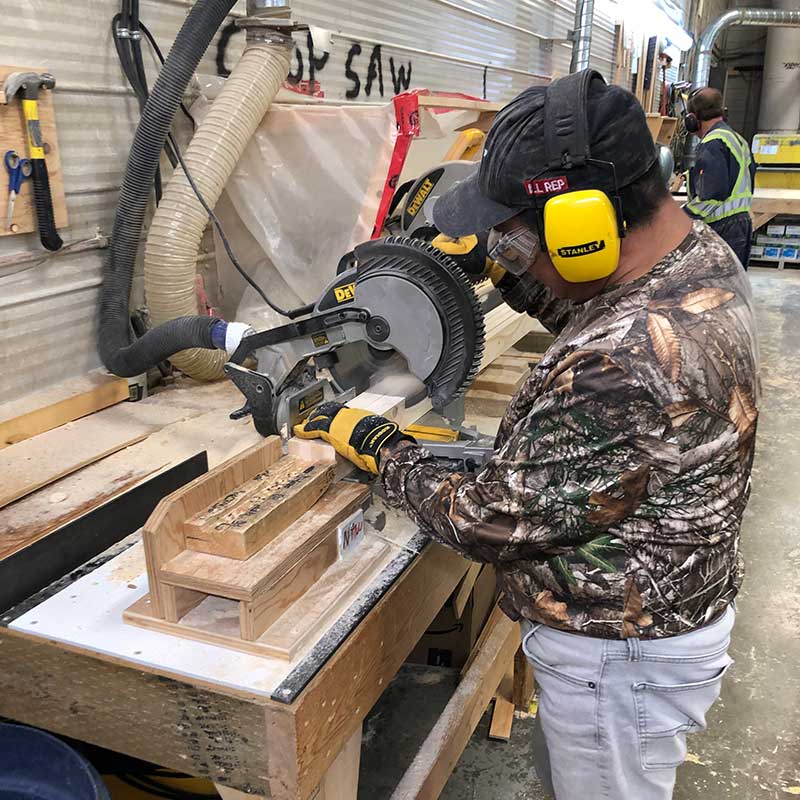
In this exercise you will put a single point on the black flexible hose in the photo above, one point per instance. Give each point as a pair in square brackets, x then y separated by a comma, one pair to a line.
[119, 354]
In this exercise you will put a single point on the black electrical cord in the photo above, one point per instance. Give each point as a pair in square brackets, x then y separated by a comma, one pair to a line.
[160, 56]
[125, 33]
[133, 67]
[292, 313]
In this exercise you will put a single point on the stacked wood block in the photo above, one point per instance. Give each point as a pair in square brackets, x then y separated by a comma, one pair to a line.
[492, 390]
[662, 129]
[248, 555]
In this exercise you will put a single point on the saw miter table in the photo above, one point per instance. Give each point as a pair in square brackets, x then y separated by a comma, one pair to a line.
[95, 655]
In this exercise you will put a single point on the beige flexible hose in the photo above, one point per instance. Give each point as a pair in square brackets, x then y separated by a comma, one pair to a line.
[178, 224]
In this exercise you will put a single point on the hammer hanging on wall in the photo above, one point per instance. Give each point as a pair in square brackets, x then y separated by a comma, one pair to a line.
[26, 85]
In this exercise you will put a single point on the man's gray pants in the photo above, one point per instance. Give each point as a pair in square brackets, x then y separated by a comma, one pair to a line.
[615, 713]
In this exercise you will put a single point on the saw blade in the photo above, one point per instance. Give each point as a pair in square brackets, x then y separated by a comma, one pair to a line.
[443, 332]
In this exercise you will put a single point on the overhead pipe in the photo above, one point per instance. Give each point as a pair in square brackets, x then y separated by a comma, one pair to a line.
[582, 36]
[764, 17]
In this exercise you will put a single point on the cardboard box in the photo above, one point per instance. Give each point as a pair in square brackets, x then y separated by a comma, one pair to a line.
[793, 231]
[756, 251]
[776, 230]
[449, 641]
[790, 253]
[772, 251]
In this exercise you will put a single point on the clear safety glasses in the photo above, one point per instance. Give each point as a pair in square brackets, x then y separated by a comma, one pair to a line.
[515, 251]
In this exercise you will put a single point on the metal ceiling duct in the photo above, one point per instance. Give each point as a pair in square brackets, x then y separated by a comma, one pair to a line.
[582, 36]
[764, 17]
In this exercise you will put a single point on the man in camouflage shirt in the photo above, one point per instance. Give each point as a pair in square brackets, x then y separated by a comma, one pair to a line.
[612, 506]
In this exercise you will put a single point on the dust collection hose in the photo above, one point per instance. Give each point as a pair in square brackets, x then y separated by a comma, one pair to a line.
[119, 353]
[180, 220]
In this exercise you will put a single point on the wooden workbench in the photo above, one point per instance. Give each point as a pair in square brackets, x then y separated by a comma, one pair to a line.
[222, 721]
[767, 203]
[288, 730]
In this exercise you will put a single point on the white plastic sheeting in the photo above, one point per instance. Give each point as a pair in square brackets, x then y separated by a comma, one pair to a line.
[304, 193]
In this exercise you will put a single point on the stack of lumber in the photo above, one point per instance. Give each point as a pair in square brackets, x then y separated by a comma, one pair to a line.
[492, 390]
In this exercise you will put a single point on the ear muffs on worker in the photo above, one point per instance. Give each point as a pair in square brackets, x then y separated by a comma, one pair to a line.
[572, 203]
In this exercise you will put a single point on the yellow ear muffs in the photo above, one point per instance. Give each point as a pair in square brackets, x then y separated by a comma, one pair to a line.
[582, 235]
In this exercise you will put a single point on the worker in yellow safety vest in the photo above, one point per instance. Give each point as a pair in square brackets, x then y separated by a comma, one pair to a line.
[720, 184]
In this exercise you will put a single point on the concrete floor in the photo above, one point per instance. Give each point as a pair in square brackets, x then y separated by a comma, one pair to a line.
[752, 748]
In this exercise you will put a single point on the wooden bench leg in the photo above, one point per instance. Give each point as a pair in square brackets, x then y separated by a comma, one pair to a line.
[523, 681]
[341, 779]
[503, 712]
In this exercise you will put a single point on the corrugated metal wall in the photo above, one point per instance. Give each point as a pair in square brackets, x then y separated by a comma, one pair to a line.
[48, 308]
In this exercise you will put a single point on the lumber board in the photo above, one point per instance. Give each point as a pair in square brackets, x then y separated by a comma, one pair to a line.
[243, 580]
[330, 707]
[502, 380]
[160, 718]
[258, 614]
[523, 681]
[341, 779]
[13, 136]
[163, 535]
[465, 589]
[428, 773]
[504, 327]
[521, 361]
[485, 631]
[265, 506]
[486, 404]
[503, 711]
[460, 103]
[40, 563]
[55, 406]
[324, 602]
[33, 463]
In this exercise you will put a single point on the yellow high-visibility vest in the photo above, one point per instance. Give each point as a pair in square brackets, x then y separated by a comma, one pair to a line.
[741, 198]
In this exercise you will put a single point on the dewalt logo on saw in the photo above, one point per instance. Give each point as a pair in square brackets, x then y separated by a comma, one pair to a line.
[345, 292]
[576, 250]
[422, 193]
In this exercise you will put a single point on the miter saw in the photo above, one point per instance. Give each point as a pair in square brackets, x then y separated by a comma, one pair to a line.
[411, 210]
[398, 311]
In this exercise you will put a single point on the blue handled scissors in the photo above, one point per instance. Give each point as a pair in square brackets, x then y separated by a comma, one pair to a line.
[19, 170]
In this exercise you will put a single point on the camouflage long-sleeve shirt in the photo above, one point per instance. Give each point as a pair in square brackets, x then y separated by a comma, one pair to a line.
[613, 503]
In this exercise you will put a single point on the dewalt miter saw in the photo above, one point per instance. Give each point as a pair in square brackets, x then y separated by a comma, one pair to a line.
[399, 311]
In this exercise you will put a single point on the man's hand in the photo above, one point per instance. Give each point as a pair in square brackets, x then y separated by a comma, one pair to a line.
[471, 254]
[356, 434]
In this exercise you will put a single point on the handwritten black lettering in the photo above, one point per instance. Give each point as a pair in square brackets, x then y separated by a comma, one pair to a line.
[295, 77]
[401, 79]
[315, 63]
[350, 73]
[375, 70]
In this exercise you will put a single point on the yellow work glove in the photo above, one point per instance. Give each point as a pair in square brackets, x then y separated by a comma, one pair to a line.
[471, 254]
[356, 434]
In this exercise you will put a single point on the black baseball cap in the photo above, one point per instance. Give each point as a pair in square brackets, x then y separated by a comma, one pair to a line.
[546, 141]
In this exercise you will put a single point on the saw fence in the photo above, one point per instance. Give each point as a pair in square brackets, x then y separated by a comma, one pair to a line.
[236, 637]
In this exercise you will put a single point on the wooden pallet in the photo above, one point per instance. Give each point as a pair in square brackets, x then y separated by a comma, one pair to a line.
[247, 556]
